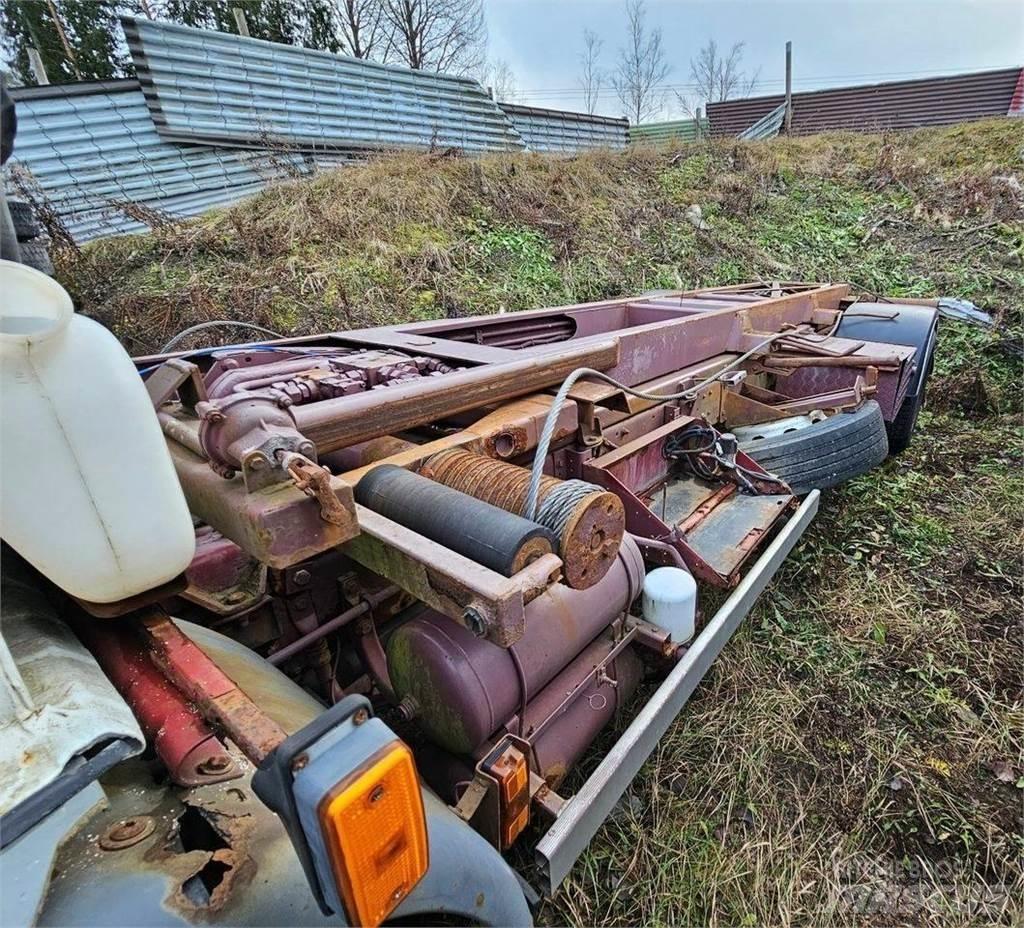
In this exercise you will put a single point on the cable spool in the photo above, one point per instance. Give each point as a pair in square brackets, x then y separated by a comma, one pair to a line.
[587, 521]
[485, 533]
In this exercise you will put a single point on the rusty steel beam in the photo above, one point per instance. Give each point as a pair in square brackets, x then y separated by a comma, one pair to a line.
[510, 430]
[215, 695]
[337, 423]
[485, 602]
[279, 526]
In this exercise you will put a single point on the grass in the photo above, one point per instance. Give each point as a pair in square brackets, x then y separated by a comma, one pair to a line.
[856, 753]
[848, 740]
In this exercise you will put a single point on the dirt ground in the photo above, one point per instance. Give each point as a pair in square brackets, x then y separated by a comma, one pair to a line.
[856, 753]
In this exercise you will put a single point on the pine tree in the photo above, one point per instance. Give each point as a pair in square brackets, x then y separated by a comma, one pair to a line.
[90, 31]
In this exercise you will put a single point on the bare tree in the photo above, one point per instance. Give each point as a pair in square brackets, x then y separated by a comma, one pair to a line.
[437, 35]
[362, 27]
[718, 76]
[591, 76]
[641, 66]
[501, 79]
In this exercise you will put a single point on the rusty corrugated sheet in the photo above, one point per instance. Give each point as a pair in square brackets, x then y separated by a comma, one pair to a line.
[1017, 103]
[936, 101]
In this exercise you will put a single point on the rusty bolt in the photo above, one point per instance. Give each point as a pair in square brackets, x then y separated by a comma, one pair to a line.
[127, 832]
[302, 577]
[299, 762]
[215, 765]
[360, 716]
[475, 622]
[408, 708]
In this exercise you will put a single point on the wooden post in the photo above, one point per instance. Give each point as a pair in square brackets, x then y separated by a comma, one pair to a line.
[788, 123]
[35, 60]
[243, 26]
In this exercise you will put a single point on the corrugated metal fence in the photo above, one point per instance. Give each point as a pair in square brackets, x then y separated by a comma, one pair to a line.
[935, 101]
[225, 89]
[92, 150]
[561, 131]
[679, 130]
[214, 117]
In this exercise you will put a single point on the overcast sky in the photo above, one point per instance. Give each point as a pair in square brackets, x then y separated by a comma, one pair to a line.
[835, 42]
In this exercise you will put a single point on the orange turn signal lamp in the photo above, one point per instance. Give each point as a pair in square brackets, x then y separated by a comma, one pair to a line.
[507, 764]
[374, 830]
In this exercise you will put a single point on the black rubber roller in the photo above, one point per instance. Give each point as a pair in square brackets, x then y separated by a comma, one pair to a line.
[500, 540]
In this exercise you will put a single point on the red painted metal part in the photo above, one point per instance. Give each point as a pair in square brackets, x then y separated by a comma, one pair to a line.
[214, 693]
[190, 751]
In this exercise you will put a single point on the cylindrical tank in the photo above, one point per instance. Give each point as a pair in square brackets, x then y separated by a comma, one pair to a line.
[89, 494]
[561, 743]
[465, 687]
[670, 601]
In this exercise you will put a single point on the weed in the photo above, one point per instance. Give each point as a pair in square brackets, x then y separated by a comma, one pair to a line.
[836, 764]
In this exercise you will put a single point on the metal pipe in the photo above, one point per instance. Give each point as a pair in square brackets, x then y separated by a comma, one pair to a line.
[670, 551]
[337, 423]
[181, 433]
[370, 601]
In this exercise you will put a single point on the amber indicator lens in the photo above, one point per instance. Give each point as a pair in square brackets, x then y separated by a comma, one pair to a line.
[375, 832]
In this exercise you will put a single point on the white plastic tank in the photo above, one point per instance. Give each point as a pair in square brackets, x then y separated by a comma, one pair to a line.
[88, 493]
[670, 602]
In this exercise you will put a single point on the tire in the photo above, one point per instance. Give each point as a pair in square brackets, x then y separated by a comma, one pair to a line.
[36, 253]
[26, 225]
[825, 453]
[901, 429]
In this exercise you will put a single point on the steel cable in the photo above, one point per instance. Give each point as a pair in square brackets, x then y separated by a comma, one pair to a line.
[537, 471]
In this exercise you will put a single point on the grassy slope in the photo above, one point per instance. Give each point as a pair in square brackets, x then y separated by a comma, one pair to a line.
[861, 727]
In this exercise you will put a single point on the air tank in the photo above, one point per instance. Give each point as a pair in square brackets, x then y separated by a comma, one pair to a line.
[464, 688]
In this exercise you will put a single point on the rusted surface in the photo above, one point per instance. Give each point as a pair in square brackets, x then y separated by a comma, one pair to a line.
[931, 101]
[222, 577]
[333, 424]
[591, 534]
[213, 692]
[126, 833]
[448, 582]
[184, 743]
[508, 431]
[279, 526]
[315, 481]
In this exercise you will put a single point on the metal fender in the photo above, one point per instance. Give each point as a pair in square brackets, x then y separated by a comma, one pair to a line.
[897, 324]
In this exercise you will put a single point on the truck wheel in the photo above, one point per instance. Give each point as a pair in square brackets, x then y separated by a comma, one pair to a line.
[26, 225]
[818, 455]
[901, 429]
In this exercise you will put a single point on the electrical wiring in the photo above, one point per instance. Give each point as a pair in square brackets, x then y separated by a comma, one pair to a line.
[540, 455]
